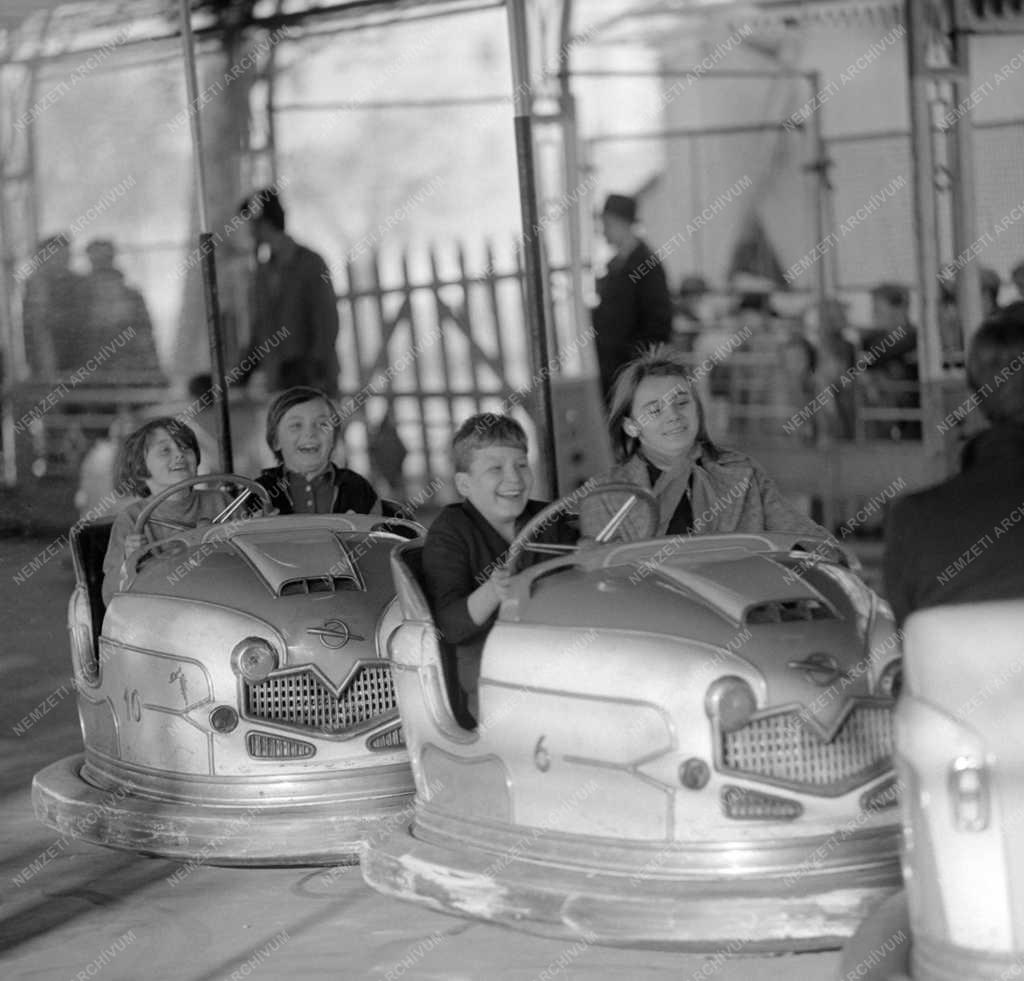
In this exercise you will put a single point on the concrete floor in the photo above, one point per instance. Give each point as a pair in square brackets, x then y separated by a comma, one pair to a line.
[90, 912]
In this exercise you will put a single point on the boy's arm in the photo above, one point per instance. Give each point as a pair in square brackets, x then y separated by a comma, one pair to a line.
[461, 605]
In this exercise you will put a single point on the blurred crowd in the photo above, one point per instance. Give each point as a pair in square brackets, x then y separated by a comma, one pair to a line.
[69, 318]
[777, 363]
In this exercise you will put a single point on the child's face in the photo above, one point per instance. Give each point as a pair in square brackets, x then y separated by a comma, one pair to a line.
[305, 437]
[497, 483]
[167, 462]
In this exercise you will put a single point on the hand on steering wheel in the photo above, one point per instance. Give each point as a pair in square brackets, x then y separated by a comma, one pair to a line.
[223, 478]
[568, 503]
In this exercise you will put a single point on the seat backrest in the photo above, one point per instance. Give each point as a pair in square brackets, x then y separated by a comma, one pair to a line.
[407, 568]
[88, 543]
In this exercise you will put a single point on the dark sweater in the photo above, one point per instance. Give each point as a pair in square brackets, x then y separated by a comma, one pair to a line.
[461, 551]
[350, 491]
[961, 541]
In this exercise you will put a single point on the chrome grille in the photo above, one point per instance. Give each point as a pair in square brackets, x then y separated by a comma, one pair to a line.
[265, 746]
[390, 739]
[301, 699]
[781, 748]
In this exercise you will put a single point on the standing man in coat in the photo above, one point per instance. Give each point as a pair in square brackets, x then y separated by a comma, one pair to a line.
[295, 311]
[634, 307]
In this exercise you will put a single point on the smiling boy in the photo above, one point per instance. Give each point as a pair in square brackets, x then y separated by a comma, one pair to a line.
[302, 430]
[466, 544]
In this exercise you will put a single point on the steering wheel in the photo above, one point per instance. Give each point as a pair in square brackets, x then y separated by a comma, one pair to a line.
[567, 504]
[401, 527]
[147, 512]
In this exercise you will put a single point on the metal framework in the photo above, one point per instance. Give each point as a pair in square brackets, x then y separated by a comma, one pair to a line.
[938, 74]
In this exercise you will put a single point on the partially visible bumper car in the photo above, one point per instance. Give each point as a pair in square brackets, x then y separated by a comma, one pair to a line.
[681, 743]
[960, 758]
[236, 706]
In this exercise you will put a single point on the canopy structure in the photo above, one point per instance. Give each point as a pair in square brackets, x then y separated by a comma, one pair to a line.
[680, 102]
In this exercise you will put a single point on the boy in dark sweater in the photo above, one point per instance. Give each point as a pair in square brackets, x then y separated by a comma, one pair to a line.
[466, 544]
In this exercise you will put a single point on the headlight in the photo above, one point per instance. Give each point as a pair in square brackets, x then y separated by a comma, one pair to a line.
[731, 701]
[254, 659]
[890, 681]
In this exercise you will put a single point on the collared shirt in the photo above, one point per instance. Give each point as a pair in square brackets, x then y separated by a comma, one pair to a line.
[311, 495]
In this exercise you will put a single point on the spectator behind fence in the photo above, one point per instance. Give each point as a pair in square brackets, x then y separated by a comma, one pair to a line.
[688, 319]
[990, 284]
[634, 307]
[962, 540]
[893, 368]
[295, 310]
[1017, 275]
[49, 309]
[114, 314]
[835, 357]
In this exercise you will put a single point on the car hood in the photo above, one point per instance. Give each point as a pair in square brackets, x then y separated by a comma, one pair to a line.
[282, 556]
[734, 586]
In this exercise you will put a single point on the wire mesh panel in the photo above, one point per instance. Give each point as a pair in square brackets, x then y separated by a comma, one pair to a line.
[873, 209]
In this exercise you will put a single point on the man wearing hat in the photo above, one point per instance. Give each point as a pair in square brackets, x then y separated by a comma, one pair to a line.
[634, 306]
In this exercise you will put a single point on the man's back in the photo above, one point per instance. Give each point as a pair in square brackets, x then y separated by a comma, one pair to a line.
[963, 540]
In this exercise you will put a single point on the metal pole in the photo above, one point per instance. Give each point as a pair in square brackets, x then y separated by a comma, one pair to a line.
[820, 169]
[570, 158]
[522, 96]
[206, 251]
[965, 222]
[929, 354]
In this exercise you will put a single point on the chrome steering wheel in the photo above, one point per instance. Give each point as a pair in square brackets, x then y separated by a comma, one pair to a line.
[567, 505]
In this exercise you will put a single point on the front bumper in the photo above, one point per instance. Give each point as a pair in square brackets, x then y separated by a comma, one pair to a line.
[326, 832]
[540, 887]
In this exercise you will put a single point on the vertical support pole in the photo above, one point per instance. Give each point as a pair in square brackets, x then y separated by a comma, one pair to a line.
[929, 349]
[965, 221]
[206, 249]
[522, 97]
[570, 157]
[821, 190]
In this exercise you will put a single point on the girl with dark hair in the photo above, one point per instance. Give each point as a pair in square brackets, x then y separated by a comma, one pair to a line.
[158, 455]
[660, 435]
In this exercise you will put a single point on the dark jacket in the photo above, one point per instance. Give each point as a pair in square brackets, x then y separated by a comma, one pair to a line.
[961, 541]
[461, 550]
[351, 491]
[295, 322]
[634, 310]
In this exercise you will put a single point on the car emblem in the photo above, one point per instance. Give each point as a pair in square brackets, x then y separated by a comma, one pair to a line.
[819, 669]
[334, 634]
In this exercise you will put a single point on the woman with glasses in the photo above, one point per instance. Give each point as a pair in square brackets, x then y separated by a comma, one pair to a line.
[661, 439]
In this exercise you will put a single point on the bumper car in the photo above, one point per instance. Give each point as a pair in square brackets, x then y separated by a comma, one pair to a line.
[960, 758]
[234, 699]
[681, 744]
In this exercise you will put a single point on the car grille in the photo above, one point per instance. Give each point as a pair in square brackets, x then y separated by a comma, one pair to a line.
[390, 739]
[780, 748]
[301, 699]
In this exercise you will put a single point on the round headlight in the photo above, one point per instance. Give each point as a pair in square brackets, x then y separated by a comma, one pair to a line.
[731, 702]
[254, 658]
[890, 681]
[224, 718]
